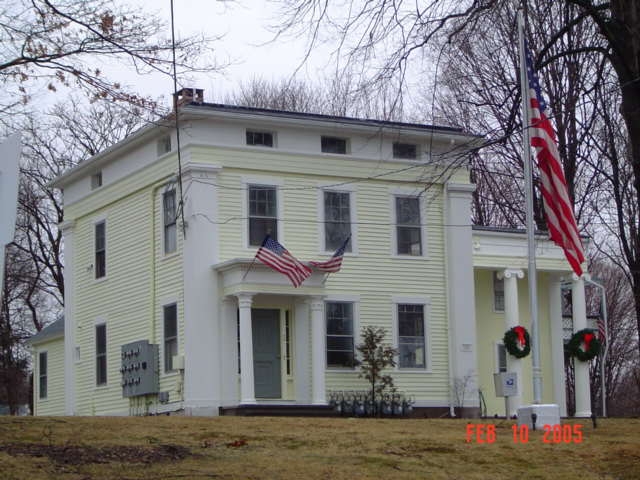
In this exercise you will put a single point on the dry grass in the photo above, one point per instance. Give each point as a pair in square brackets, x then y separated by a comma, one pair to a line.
[303, 448]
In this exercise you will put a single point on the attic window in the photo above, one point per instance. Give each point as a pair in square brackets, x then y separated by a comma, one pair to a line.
[334, 145]
[261, 139]
[96, 180]
[164, 145]
[405, 150]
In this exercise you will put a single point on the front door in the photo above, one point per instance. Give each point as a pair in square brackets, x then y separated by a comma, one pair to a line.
[265, 324]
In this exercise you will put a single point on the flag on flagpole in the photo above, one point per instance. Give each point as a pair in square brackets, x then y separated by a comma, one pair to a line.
[274, 255]
[557, 205]
[334, 264]
[602, 336]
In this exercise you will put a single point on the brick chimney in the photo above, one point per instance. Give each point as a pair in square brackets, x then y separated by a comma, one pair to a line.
[186, 96]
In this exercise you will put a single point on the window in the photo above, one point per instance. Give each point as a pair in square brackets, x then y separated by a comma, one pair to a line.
[411, 341]
[101, 354]
[170, 230]
[96, 180]
[405, 150]
[263, 216]
[408, 226]
[340, 334]
[501, 357]
[262, 139]
[42, 367]
[337, 219]
[498, 293]
[333, 145]
[101, 251]
[170, 314]
[164, 145]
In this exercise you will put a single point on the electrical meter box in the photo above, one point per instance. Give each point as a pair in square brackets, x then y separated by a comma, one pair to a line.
[139, 369]
[506, 384]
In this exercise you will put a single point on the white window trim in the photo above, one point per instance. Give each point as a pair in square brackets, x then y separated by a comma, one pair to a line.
[38, 397]
[357, 335]
[496, 356]
[494, 275]
[408, 192]
[100, 321]
[426, 305]
[274, 135]
[96, 221]
[160, 201]
[166, 303]
[353, 212]
[269, 182]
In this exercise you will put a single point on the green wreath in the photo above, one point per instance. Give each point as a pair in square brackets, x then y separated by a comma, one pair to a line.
[592, 345]
[517, 341]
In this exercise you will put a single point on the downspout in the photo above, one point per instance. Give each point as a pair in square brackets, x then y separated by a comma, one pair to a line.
[605, 318]
[445, 213]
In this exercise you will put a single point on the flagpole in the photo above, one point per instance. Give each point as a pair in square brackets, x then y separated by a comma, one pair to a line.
[528, 174]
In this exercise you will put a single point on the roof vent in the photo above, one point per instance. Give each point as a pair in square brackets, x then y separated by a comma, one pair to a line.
[186, 96]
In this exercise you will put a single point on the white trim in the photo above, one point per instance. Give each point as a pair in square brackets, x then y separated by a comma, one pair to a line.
[268, 182]
[258, 129]
[162, 190]
[426, 315]
[96, 222]
[38, 397]
[97, 323]
[495, 275]
[354, 300]
[353, 214]
[161, 352]
[496, 356]
[408, 192]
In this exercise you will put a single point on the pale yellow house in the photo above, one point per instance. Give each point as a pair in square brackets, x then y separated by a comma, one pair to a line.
[170, 316]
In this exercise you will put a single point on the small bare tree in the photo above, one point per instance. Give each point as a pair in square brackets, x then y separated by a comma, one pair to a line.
[375, 358]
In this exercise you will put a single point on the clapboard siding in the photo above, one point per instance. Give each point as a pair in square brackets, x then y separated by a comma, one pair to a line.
[53, 404]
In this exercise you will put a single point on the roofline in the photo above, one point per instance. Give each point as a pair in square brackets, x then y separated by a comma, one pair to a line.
[196, 109]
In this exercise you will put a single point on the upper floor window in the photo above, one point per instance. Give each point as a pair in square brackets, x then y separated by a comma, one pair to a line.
[164, 145]
[263, 139]
[169, 219]
[334, 145]
[263, 213]
[498, 293]
[411, 336]
[340, 344]
[42, 374]
[100, 249]
[405, 150]
[170, 314]
[408, 226]
[337, 219]
[96, 180]
[101, 354]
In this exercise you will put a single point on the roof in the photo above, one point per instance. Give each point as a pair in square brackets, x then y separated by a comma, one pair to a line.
[516, 231]
[50, 332]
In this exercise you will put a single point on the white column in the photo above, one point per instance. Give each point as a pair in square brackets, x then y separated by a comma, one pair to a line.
[512, 319]
[557, 343]
[461, 289]
[247, 385]
[69, 320]
[318, 341]
[201, 302]
[582, 388]
[228, 346]
[302, 368]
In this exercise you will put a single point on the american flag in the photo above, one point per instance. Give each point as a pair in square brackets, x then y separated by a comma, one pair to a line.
[335, 262]
[602, 334]
[274, 255]
[557, 205]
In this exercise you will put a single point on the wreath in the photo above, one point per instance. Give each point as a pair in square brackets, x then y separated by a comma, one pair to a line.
[517, 341]
[584, 345]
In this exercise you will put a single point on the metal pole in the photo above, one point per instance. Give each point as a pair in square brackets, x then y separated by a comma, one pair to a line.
[605, 319]
[531, 247]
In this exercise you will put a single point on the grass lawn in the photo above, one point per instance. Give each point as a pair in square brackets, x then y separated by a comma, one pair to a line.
[83, 448]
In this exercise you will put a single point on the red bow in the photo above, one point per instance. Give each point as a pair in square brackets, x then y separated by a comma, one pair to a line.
[520, 332]
[587, 340]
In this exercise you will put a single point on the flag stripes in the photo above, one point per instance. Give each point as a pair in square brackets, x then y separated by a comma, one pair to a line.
[334, 264]
[274, 255]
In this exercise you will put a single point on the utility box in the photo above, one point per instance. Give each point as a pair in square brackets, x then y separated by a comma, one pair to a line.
[139, 369]
[506, 384]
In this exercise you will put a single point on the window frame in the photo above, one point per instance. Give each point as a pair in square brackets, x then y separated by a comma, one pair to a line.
[354, 301]
[166, 226]
[100, 356]
[256, 131]
[326, 138]
[353, 213]
[97, 252]
[496, 280]
[498, 345]
[424, 244]
[165, 339]
[96, 180]
[43, 377]
[271, 182]
[425, 302]
[396, 154]
[162, 143]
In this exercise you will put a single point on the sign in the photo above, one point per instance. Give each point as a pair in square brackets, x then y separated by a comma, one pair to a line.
[506, 384]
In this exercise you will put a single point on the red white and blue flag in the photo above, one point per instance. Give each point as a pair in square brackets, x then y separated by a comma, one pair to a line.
[557, 205]
[274, 255]
[334, 264]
